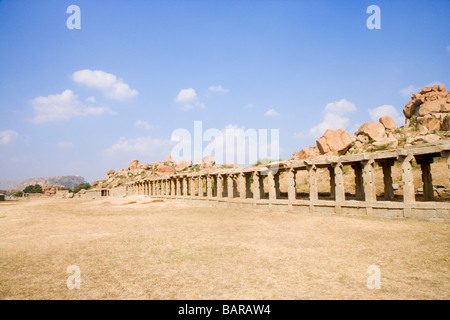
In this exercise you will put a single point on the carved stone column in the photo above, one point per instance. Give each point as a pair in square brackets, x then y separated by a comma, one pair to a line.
[292, 191]
[219, 186]
[209, 186]
[369, 180]
[359, 181]
[312, 172]
[407, 179]
[339, 190]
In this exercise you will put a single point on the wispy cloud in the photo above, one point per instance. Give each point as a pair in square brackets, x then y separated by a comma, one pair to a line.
[187, 99]
[143, 146]
[7, 136]
[110, 85]
[143, 124]
[63, 106]
[271, 113]
[218, 88]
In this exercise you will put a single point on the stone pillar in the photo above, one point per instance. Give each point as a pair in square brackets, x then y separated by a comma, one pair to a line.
[332, 182]
[192, 182]
[225, 186]
[369, 180]
[272, 187]
[359, 181]
[242, 190]
[339, 191]
[185, 186]
[407, 179]
[214, 185]
[248, 185]
[200, 186]
[292, 192]
[427, 180]
[312, 172]
[230, 185]
[172, 186]
[209, 186]
[258, 190]
[169, 182]
[219, 186]
[178, 186]
[387, 179]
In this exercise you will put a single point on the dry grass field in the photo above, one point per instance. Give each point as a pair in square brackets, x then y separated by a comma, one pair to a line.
[168, 250]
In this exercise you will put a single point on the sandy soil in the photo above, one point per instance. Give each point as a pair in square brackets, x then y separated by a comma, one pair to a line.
[138, 249]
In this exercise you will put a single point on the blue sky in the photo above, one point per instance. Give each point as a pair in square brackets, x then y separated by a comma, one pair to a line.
[80, 102]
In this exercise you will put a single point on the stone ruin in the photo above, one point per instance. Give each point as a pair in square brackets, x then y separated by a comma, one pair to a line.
[422, 140]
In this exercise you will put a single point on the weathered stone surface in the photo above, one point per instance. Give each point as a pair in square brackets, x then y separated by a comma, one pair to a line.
[334, 141]
[111, 172]
[431, 138]
[428, 121]
[446, 123]
[168, 158]
[373, 130]
[207, 162]
[133, 165]
[164, 170]
[182, 165]
[306, 153]
[430, 105]
[388, 122]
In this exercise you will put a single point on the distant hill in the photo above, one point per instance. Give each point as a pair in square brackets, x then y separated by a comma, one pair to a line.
[66, 181]
[6, 185]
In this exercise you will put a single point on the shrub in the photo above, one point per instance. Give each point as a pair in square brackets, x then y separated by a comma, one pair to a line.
[18, 194]
[85, 186]
[33, 189]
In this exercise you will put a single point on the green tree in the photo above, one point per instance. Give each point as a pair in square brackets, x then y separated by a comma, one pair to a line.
[33, 189]
[85, 186]
[18, 194]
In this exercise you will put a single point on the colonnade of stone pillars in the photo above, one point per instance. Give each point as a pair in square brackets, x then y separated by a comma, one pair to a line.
[249, 184]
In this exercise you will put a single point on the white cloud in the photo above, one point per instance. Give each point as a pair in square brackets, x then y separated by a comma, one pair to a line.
[333, 117]
[111, 86]
[143, 124]
[7, 136]
[271, 113]
[249, 105]
[65, 144]
[386, 110]
[144, 146]
[218, 88]
[411, 89]
[340, 107]
[408, 91]
[330, 121]
[62, 106]
[188, 99]
[91, 99]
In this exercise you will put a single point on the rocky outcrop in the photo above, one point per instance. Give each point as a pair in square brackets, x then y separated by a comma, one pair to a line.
[334, 142]
[372, 130]
[306, 153]
[428, 108]
[388, 123]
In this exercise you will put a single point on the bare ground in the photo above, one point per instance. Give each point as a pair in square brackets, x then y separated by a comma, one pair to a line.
[165, 250]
